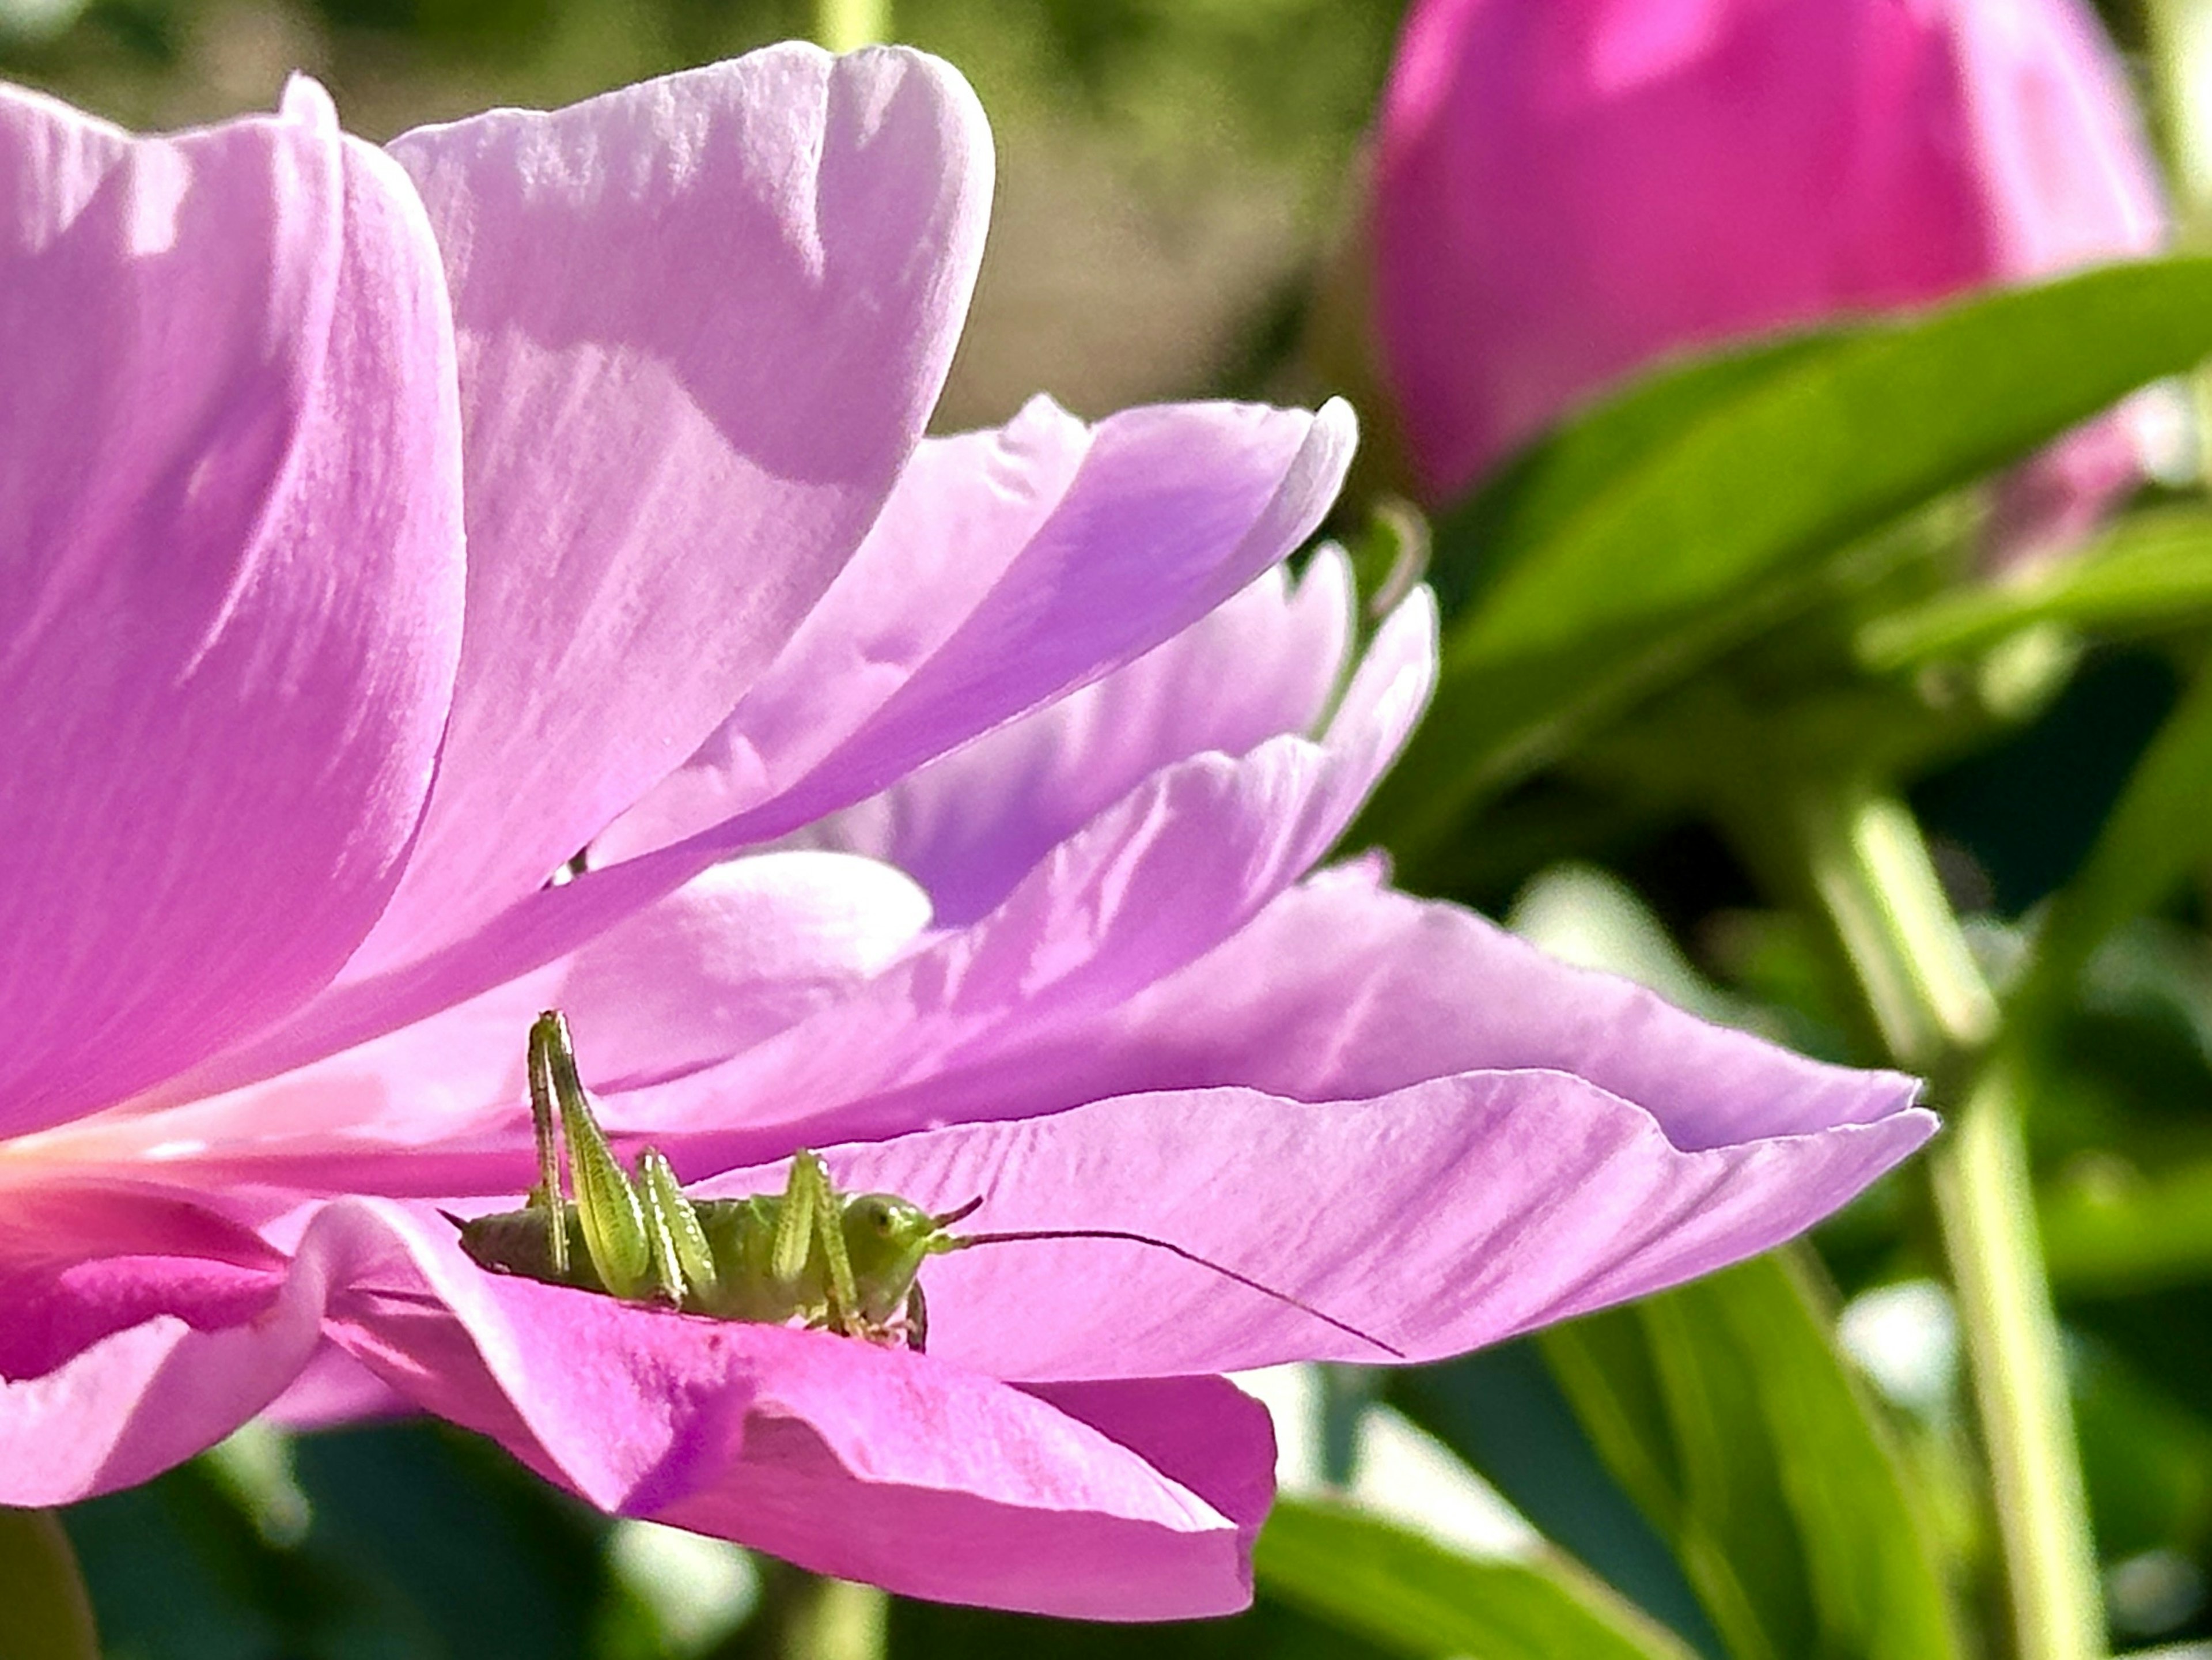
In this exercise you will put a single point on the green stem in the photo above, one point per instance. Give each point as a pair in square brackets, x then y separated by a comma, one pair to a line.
[848, 25]
[1870, 868]
[806, 1616]
[43, 1610]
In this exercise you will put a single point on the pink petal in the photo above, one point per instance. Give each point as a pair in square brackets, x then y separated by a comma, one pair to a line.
[2059, 145]
[232, 533]
[1025, 563]
[969, 825]
[1343, 989]
[79, 1262]
[1147, 887]
[962, 513]
[1569, 189]
[1134, 1501]
[142, 1329]
[864, 1461]
[746, 949]
[1062, 624]
[333, 1388]
[702, 320]
[1436, 1218]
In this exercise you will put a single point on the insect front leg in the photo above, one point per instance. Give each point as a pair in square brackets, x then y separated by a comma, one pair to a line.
[607, 1204]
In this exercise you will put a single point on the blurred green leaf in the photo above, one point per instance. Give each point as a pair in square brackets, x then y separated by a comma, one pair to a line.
[2153, 571]
[1399, 1588]
[1535, 494]
[2109, 1228]
[1269, 1630]
[2147, 1459]
[421, 1542]
[1686, 546]
[43, 1614]
[1725, 1410]
[1501, 1410]
[2158, 828]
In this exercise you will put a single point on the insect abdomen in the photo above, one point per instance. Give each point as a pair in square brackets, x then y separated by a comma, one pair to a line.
[517, 1242]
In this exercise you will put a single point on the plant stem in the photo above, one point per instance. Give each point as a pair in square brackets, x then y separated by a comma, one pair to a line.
[1870, 868]
[43, 1610]
[848, 25]
[807, 1616]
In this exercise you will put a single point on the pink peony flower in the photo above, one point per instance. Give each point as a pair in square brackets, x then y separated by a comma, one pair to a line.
[288, 762]
[1567, 189]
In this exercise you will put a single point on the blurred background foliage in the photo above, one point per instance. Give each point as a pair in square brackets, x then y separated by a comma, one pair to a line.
[1167, 167]
[1698, 1475]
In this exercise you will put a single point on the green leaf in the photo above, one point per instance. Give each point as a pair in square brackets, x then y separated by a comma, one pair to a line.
[1644, 569]
[2105, 1233]
[1383, 1583]
[1527, 501]
[1501, 1411]
[1726, 1412]
[2155, 832]
[2150, 572]
[43, 1614]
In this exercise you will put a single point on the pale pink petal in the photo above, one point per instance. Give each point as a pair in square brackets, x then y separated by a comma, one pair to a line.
[1147, 887]
[961, 514]
[333, 1388]
[1026, 563]
[1342, 989]
[1436, 1218]
[971, 824]
[2060, 147]
[702, 322]
[1061, 625]
[230, 531]
[746, 949]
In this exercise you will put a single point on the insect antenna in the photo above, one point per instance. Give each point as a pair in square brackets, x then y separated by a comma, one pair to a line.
[1017, 1236]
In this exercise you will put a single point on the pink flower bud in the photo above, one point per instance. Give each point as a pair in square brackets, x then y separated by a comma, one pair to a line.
[1567, 189]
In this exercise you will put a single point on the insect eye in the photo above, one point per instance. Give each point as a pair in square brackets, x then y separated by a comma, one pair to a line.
[883, 1218]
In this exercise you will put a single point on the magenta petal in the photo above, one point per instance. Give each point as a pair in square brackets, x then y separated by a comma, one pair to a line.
[1205, 1433]
[142, 1329]
[79, 1262]
[333, 1388]
[230, 530]
[872, 1464]
[1436, 1219]
[702, 322]
[1566, 189]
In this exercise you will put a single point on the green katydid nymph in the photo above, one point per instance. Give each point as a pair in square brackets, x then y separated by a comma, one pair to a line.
[848, 1264]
